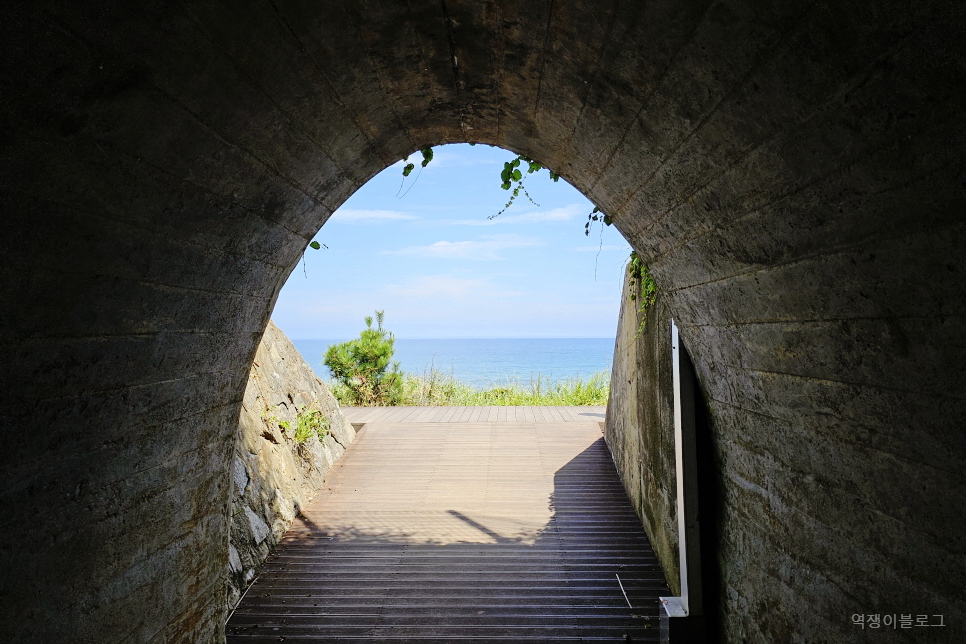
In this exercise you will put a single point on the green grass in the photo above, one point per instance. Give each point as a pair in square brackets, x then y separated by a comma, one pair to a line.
[310, 422]
[435, 387]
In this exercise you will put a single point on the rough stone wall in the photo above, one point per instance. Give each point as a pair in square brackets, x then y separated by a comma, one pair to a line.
[640, 424]
[272, 475]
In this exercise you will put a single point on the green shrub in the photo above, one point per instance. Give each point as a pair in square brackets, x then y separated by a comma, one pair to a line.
[362, 367]
[310, 422]
[435, 387]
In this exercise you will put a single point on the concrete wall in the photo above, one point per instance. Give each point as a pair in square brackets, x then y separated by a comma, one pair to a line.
[640, 424]
[272, 474]
[791, 171]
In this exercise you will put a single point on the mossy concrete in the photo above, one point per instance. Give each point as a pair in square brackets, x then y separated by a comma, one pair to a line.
[640, 422]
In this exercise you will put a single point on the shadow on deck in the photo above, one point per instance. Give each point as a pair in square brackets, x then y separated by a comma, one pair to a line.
[433, 533]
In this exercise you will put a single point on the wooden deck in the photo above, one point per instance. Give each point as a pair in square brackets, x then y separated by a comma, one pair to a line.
[359, 415]
[437, 526]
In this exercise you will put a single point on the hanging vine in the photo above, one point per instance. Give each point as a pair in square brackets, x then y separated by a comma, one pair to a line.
[511, 178]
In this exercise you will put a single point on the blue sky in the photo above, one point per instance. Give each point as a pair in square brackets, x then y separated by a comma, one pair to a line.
[429, 257]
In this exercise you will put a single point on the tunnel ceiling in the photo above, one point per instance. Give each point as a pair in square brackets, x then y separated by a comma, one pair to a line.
[792, 173]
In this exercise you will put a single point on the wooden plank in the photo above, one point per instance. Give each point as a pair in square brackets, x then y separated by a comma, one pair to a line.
[450, 413]
[408, 545]
[389, 414]
[373, 413]
[393, 414]
[418, 414]
[415, 414]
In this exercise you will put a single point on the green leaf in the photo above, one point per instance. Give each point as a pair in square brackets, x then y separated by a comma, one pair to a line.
[409, 168]
[517, 175]
[427, 155]
[316, 245]
[607, 220]
[505, 185]
[596, 209]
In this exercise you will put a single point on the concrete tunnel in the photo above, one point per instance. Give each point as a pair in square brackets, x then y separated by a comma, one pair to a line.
[792, 172]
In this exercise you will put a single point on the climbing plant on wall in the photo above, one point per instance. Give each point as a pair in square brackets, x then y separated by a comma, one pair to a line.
[511, 178]
[642, 287]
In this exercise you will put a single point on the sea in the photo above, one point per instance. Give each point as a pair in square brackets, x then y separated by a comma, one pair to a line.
[482, 363]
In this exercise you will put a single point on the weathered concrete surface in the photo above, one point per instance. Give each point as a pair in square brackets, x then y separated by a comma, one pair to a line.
[273, 476]
[792, 172]
[640, 424]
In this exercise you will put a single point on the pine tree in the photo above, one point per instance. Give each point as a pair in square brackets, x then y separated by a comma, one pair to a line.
[363, 366]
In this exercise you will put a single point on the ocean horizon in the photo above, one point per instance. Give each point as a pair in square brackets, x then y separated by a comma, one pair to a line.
[483, 362]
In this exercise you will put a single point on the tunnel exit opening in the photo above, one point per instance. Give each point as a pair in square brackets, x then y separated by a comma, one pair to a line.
[429, 250]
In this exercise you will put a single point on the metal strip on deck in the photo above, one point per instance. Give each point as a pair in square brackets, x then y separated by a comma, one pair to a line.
[443, 532]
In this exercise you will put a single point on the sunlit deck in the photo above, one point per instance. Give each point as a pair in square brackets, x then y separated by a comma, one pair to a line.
[448, 524]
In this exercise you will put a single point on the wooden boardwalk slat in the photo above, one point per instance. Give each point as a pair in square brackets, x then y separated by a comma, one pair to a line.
[473, 414]
[451, 414]
[436, 531]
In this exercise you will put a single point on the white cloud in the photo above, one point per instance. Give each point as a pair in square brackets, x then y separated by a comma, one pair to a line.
[443, 286]
[566, 213]
[351, 216]
[488, 248]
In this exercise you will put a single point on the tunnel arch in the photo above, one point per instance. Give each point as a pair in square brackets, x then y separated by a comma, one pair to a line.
[790, 171]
